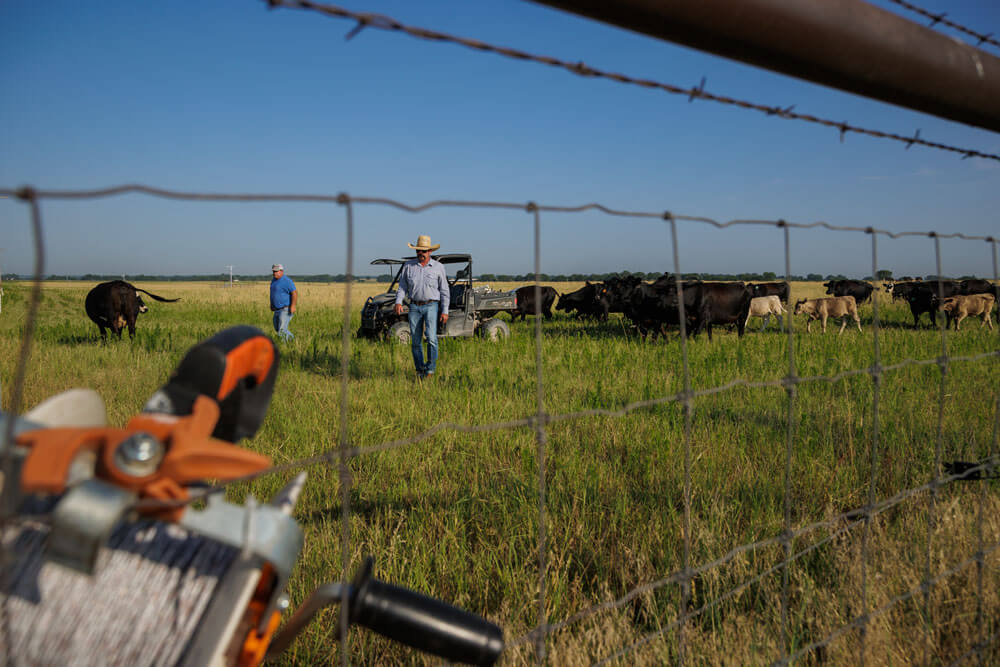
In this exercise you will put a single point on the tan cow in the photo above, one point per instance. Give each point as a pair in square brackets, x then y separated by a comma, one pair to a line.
[958, 308]
[765, 306]
[833, 306]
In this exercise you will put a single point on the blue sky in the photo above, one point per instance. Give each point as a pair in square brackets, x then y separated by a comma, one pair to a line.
[230, 96]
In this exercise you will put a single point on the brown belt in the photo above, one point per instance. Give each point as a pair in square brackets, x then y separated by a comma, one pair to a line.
[423, 303]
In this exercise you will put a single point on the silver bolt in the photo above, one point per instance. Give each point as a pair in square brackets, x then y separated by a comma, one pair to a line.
[139, 454]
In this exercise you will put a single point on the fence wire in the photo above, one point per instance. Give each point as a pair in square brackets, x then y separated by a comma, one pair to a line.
[366, 20]
[982, 38]
[340, 456]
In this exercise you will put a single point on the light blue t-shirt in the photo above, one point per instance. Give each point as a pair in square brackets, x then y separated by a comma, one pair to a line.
[281, 292]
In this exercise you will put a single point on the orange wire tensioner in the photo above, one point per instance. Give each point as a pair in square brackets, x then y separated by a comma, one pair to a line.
[155, 456]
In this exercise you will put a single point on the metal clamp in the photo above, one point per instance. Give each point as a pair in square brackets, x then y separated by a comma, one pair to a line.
[82, 522]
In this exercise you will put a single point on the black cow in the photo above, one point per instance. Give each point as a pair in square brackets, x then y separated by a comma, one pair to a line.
[525, 302]
[902, 290]
[617, 290]
[115, 305]
[945, 289]
[652, 306]
[859, 289]
[588, 301]
[725, 303]
[767, 289]
[976, 286]
[942, 289]
[922, 298]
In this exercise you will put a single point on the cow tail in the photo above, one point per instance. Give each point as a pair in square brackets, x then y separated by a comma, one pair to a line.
[158, 298]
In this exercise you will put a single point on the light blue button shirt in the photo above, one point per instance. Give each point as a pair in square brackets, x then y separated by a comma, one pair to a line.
[424, 283]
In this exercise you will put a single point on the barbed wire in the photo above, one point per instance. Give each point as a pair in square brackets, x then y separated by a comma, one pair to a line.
[387, 23]
[346, 450]
[984, 38]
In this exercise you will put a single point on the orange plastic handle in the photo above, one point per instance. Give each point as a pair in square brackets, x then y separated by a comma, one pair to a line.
[191, 454]
[252, 357]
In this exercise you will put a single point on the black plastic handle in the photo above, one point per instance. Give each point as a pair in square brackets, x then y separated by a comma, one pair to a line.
[237, 367]
[422, 622]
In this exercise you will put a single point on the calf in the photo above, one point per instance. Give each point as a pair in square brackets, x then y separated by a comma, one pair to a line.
[833, 306]
[525, 302]
[957, 308]
[115, 305]
[765, 306]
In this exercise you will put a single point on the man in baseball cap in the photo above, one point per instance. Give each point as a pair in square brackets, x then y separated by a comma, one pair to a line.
[283, 299]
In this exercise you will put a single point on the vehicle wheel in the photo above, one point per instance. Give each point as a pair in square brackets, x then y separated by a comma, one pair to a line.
[400, 331]
[495, 329]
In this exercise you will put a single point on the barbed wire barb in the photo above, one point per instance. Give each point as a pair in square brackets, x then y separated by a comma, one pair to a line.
[390, 24]
[983, 38]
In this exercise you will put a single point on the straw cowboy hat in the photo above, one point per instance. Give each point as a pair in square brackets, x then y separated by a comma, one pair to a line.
[424, 243]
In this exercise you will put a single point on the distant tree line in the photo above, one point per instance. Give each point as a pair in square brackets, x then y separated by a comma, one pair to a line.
[766, 276]
[213, 278]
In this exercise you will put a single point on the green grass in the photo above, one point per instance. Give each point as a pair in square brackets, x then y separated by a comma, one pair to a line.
[456, 515]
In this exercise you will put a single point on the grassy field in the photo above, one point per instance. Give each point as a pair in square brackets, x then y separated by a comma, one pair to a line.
[456, 514]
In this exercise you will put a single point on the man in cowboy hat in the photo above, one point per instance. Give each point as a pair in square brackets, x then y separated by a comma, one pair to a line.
[283, 299]
[425, 282]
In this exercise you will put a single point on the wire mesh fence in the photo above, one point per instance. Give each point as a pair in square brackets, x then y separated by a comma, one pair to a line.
[796, 540]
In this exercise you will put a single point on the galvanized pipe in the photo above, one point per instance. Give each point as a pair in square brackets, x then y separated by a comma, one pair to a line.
[846, 44]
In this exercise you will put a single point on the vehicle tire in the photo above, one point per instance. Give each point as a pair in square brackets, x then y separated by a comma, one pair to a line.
[400, 331]
[494, 329]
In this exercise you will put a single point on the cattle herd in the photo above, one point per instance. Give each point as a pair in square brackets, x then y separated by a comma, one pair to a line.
[651, 307]
[954, 297]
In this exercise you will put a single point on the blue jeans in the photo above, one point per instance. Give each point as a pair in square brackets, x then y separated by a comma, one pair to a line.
[281, 318]
[424, 319]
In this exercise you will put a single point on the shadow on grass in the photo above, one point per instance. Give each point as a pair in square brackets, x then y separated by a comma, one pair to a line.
[370, 509]
[78, 339]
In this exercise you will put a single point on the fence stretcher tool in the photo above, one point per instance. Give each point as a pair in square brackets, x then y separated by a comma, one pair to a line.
[107, 560]
[92, 479]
